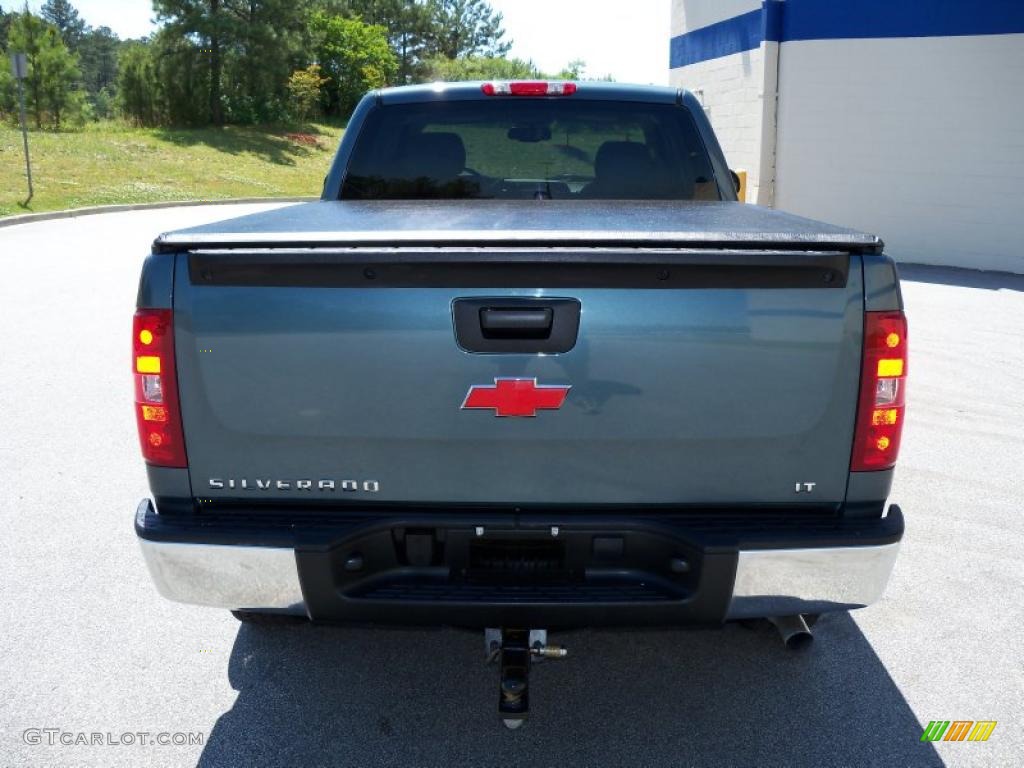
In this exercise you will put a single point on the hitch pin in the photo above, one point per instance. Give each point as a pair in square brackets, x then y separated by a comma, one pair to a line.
[550, 651]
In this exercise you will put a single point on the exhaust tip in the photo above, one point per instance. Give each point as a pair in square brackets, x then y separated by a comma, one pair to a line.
[799, 641]
[795, 633]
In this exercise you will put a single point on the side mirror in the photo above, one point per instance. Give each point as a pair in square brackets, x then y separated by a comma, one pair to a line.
[739, 183]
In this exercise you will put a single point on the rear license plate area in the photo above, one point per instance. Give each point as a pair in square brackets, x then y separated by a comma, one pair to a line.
[517, 560]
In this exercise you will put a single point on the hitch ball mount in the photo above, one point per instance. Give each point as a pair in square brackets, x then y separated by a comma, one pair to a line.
[516, 650]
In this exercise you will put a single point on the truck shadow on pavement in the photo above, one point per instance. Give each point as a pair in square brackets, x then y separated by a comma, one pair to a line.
[313, 696]
[965, 278]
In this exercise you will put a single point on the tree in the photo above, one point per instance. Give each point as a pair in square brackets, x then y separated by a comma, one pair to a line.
[26, 36]
[8, 98]
[103, 102]
[262, 46]
[97, 52]
[409, 28]
[480, 68]
[573, 70]
[137, 84]
[63, 15]
[246, 50]
[5, 27]
[355, 56]
[182, 77]
[466, 28]
[304, 88]
[52, 71]
[204, 22]
[60, 75]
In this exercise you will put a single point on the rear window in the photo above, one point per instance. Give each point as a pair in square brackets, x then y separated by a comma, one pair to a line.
[511, 148]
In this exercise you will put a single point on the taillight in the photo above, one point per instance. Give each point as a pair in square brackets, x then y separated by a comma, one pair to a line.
[528, 88]
[880, 412]
[156, 388]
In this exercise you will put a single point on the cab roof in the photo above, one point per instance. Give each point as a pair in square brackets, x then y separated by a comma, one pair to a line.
[470, 90]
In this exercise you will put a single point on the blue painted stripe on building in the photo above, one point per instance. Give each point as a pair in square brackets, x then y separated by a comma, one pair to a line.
[772, 20]
[740, 33]
[818, 20]
[846, 19]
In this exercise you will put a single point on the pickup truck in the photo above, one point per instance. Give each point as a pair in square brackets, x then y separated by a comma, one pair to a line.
[527, 365]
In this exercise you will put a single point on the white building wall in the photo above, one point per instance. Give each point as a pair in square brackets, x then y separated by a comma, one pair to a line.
[920, 140]
[688, 15]
[731, 88]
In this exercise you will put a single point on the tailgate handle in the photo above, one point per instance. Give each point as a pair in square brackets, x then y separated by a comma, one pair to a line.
[516, 323]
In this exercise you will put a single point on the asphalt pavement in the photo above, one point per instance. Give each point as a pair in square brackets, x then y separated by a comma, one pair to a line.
[88, 647]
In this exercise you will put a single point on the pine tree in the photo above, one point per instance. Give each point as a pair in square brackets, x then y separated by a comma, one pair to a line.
[409, 31]
[466, 28]
[26, 37]
[97, 52]
[52, 71]
[137, 84]
[245, 48]
[60, 75]
[8, 89]
[263, 46]
[64, 16]
[206, 21]
[5, 27]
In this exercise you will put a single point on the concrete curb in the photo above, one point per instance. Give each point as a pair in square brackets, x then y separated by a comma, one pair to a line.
[28, 218]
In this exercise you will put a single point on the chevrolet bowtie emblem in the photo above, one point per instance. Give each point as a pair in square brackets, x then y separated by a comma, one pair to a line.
[516, 397]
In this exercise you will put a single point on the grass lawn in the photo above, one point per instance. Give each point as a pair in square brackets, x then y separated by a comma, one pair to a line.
[110, 163]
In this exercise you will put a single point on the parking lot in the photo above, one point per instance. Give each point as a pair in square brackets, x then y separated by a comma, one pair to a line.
[89, 646]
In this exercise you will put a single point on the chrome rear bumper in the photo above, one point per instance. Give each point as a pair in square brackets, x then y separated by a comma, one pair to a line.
[766, 581]
[784, 582]
[225, 576]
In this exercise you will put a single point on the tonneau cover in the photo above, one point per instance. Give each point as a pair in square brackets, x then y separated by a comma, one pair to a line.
[550, 223]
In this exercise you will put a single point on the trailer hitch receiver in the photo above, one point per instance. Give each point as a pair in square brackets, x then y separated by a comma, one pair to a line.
[515, 650]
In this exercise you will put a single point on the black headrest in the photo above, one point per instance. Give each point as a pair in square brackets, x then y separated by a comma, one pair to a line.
[621, 160]
[435, 156]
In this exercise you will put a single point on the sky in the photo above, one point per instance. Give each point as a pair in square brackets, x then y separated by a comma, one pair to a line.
[628, 40]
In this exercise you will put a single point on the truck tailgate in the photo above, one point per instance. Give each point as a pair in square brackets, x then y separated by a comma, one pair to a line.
[696, 376]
